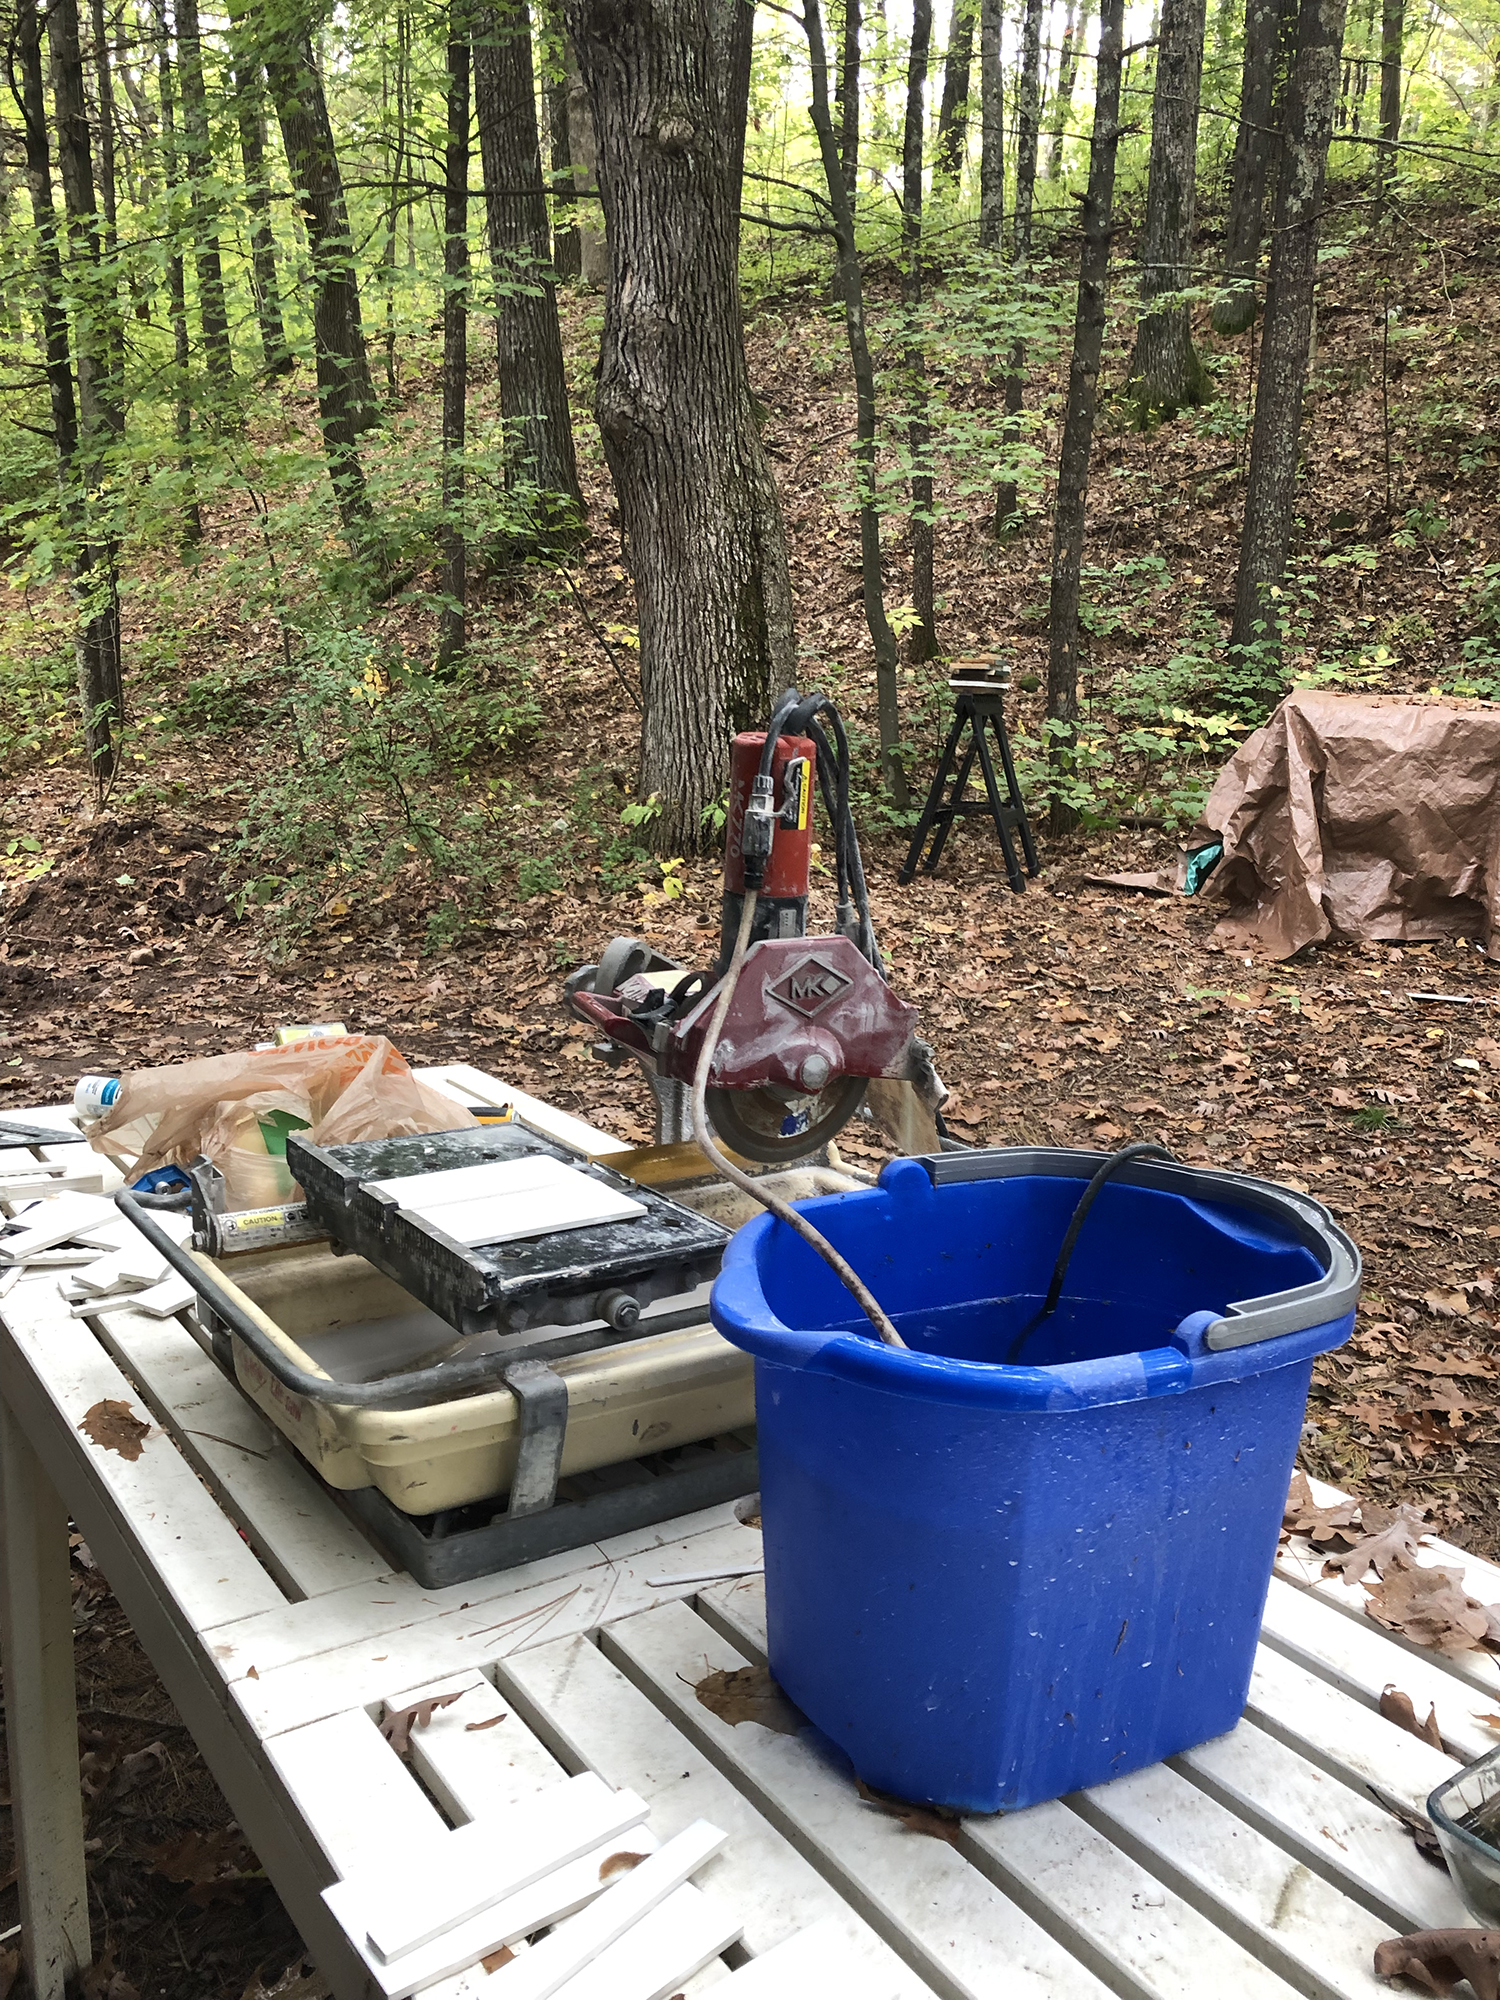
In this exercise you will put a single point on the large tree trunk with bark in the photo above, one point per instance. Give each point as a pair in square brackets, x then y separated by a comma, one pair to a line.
[953, 111]
[1392, 41]
[699, 511]
[453, 632]
[533, 386]
[250, 113]
[99, 347]
[197, 151]
[851, 292]
[1028, 133]
[1166, 375]
[922, 641]
[1071, 511]
[991, 124]
[1287, 338]
[1254, 148]
[346, 399]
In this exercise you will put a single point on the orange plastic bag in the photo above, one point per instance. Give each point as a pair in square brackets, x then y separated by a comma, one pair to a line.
[359, 1088]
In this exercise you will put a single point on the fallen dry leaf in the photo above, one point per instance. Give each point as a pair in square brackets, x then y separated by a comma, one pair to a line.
[1437, 1960]
[1391, 1538]
[114, 1426]
[1431, 1607]
[619, 1864]
[488, 1723]
[493, 1961]
[103, 1981]
[1322, 1525]
[937, 1821]
[300, 1981]
[1398, 1708]
[399, 1723]
[1447, 1305]
[748, 1694]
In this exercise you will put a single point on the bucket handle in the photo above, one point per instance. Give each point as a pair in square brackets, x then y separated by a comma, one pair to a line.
[1244, 1321]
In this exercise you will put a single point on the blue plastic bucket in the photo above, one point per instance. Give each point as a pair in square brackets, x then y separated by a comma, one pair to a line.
[1019, 1558]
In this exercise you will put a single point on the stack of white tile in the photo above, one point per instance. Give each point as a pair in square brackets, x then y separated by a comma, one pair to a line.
[111, 1262]
[501, 1201]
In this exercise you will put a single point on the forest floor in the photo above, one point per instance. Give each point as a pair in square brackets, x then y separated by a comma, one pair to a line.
[1071, 1013]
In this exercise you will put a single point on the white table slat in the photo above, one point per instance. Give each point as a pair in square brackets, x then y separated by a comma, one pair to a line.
[1276, 1907]
[1338, 1732]
[932, 1906]
[1353, 1655]
[489, 1630]
[598, 1720]
[209, 1570]
[1338, 1831]
[354, 1792]
[477, 1756]
[293, 1523]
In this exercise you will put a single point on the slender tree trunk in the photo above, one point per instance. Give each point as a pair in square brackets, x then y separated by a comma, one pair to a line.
[565, 252]
[922, 640]
[48, 265]
[593, 242]
[453, 629]
[1075, 37]
[1166, 375]
[106, 127]
[197, 149]
[249, 98]
[846, 100]
[698, 506]
[734, 22]
[1392, 39]
[1254, 146]
[346, 399]
[852, 295]
[953, 111]
[192, 516]
[1028, 132]
[1287, 339]
[533, 387]
[100, 406]
[1078, 421]
[991, 124]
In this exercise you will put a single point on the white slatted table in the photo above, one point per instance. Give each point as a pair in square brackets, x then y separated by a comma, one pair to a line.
[1266, 1863]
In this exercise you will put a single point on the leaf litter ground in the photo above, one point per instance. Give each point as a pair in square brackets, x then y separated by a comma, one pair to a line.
[1071, 1014]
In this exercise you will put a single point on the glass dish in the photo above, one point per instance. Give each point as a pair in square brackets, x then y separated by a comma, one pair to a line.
[1465, 1815]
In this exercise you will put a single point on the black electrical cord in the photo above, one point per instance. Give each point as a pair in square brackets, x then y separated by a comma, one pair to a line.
[1138, 1149]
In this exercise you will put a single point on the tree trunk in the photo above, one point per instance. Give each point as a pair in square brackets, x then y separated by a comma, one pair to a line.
[1287, 338]
[533, 389]
[198, 158]
[922, 641]
[1028, 122]
[991, 124]
[455, 547]
[346, 399]
[1392, 38]
[395, 193]
[100, 408]
[698, 507]
[734, 22]
[953, 111]
[182, 425]
[251, 116]
[49, 281]
[1078, 420]
[1254, 146]
[1075, 37]
[107, 192]
[851, 293]
[1166, 375]
[846, 101]
[554, 66]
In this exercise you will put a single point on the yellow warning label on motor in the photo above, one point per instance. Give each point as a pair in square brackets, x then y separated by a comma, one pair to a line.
[261, 1218]
[804, 801]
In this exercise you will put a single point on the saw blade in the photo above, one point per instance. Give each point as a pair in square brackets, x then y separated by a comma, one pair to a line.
[764, 1126]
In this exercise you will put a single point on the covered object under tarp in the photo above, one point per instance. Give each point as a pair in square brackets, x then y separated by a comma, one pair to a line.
[1360, 816]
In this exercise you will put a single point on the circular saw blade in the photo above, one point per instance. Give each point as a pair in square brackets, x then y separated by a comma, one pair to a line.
[760, 1125]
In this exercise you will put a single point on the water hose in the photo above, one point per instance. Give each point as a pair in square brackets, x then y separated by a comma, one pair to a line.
[842, 1269]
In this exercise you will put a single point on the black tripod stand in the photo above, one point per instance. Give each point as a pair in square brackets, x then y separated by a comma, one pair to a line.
[980, 710]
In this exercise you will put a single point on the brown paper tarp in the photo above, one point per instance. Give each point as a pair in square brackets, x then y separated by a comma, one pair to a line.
[1360, 816]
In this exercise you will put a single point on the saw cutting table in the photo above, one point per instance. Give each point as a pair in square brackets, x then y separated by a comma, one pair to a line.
[1268, 1862]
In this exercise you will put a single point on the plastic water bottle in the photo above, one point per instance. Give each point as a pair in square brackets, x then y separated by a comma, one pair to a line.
[93, 1096]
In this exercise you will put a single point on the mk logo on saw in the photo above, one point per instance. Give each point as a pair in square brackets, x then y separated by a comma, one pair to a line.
[809, 987]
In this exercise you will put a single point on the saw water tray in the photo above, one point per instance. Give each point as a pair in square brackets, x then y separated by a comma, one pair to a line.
[568, 1276]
